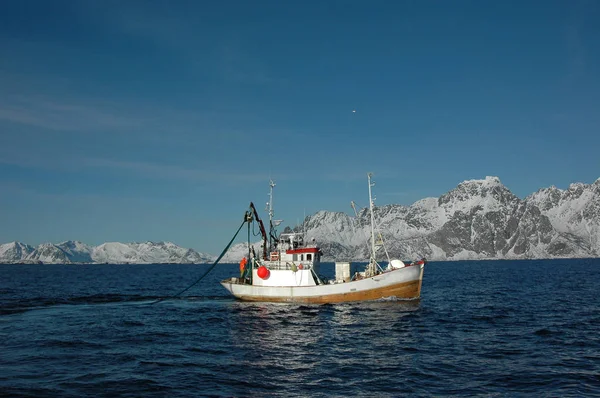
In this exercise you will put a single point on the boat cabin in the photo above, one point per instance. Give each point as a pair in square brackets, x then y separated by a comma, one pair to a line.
[291, 248]
[291, 263]
[290, 240]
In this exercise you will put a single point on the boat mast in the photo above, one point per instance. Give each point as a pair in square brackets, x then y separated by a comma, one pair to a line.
[270, 210]
[372, 262]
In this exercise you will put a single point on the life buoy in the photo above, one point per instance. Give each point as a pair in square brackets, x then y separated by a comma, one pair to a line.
[263, 272]
[300, 266]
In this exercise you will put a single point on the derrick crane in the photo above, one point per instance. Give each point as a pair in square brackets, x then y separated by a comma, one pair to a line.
[263, 232]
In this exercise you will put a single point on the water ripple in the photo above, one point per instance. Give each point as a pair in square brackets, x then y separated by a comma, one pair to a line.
[493, 333]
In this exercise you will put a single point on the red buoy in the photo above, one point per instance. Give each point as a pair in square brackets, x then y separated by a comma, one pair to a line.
[263, 272]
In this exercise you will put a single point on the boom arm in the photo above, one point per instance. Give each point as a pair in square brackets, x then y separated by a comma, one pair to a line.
[263, 232]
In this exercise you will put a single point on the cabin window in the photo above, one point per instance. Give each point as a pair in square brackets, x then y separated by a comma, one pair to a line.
[295, 257]
[309, 257]
[302, 257]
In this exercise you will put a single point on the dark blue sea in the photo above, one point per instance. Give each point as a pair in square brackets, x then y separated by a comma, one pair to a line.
[481, 328]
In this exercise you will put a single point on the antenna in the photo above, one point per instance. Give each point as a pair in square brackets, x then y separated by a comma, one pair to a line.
[269, 209]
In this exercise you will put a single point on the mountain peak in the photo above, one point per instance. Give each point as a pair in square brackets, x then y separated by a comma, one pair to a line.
[488, 193]
[489, 181]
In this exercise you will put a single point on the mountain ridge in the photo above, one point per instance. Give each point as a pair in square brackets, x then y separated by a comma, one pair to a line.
[479, 219]
[76, 252]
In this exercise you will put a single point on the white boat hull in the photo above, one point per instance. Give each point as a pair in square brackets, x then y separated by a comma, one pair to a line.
[403, 283]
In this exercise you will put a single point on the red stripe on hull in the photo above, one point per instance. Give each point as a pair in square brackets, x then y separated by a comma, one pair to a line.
[303, 250]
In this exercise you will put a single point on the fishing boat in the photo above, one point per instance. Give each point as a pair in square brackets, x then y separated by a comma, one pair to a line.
[287, 269]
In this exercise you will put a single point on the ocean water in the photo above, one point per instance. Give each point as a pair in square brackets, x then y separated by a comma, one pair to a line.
[481, 328]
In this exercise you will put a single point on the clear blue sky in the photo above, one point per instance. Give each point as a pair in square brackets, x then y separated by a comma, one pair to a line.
[161, 120]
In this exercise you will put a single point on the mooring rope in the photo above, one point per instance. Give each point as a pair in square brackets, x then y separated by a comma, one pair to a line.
[246, 218]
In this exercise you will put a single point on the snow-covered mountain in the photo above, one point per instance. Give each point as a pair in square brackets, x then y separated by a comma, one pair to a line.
[575, 211]
[148, 252]
[479, 219]
[70, 252]
[14, 252]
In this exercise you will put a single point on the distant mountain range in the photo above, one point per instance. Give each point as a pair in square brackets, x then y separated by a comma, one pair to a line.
[479, 219]
[74, 252]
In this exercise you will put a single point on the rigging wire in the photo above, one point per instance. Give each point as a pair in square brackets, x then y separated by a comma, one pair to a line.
[360, 224]
[246, 219]
[254, 233]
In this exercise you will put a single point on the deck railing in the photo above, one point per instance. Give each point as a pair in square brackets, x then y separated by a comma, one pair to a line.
[286, 265]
